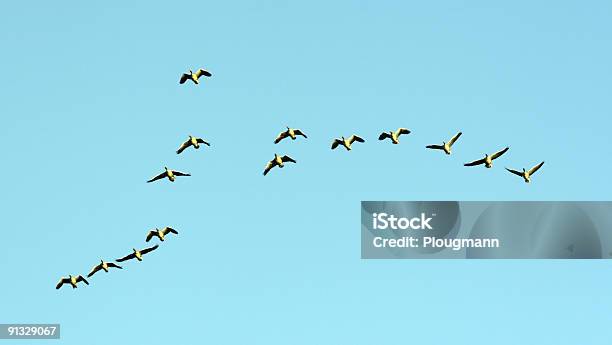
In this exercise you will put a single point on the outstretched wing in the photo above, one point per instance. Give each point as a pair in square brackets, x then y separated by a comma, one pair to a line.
[183, 146]
[336, 143]
[127, 257]
[201, 141]
[95, 269]
[280, 137]
[355, 138]
[202, 72]
[184, 78]
[535, 168]
[478, 162]
[401, 131]
[168, 229]
[150, 235]
[499, 153]
[435, 147]
[150, 249]
[269, 167]
[61, 282]
[112, 264]
[160, 176]
[178, 173]
[453, 139]
[288, 159]
[515, 172]
[299, 132]
[384, 135]
[80, 278]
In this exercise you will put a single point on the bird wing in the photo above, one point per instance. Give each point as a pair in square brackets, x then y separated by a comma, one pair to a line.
[281, 136]
[150, 235]
[269, 167]
[184, 78]
[127, 257]
[202, 72]
[478, 162]
[168, 229]
[95, 269]
[336, 143]
[383, 136]
[112, 264]
[517, 173]
[401, 131]
[183, 146]
[286, 158]
[355, 138]
[80, 278]
[435, 147]
[62, 281]
[150, 249]
[178, 173]
[499, 153]
[453, 139]
[201, 141]
[535, 168]
[299, 132]
[160, 176]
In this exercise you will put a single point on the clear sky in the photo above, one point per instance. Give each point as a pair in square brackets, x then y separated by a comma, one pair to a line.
[91, 108]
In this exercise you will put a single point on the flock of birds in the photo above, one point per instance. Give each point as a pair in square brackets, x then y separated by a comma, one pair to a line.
[277, 161]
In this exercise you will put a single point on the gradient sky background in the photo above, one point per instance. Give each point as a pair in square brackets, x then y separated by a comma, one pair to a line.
[91, 108]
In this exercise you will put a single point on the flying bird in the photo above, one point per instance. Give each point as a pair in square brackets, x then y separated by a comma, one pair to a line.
[192, 141]
[291, 133]
[394, 136]
[194, 77]
[170, 174]
[72, 280]
[487, 160]
[526, 174]
[277, 161]
[137, 254]
[103, 265]
[446, 146]
[161, 234]
[347, 142]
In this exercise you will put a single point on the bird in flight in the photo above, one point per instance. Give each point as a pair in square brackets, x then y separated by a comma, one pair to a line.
[487, 160]
[170, 174]
[526, 174]
[277, 161]
[137, 254]
[291, 133]
[194, 77]
[72, 280]
[446, 146]
[103, 265]
[160, 233]
[346, 142]
[394, 136]
[192, 141]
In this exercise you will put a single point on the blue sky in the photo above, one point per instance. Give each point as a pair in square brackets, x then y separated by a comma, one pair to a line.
[91, 108]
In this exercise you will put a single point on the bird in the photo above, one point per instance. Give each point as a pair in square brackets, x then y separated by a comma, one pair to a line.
[446, 146]
[487, 160]
[291, 133]
[192, 141]
[103, 265]
[346, 142]
[394, 136]
[72, 280]
[160, 233]
[195, 77]
[526, 174]
[170, 174]
[277, 161]
[137, 254]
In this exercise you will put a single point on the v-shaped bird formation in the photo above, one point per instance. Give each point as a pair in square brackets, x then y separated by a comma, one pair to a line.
[279, 162]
